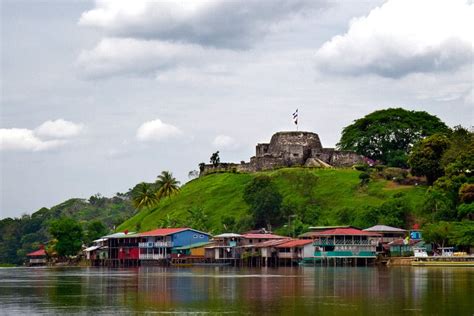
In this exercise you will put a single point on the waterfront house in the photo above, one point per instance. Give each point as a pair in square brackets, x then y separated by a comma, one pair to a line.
[263, 253]
[255, 238]
[388, 233]
[98, 253]
[404, 247]
[193, 253]
[224, 248]
[313, 231]
[295, 250]
[339, 244]
[122, 249]
[37, 257]
[157, 245]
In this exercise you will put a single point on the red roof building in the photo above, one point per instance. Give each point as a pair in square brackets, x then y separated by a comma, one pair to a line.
[37, 257]
[37, 253]
[162, 232]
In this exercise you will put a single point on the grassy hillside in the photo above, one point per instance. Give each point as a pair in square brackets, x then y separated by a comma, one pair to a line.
[318, 195]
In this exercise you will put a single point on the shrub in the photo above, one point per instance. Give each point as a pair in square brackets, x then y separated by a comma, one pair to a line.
[361, 167]
[395, 174]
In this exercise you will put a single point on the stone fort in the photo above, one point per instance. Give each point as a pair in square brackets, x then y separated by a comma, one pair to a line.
[288, 149]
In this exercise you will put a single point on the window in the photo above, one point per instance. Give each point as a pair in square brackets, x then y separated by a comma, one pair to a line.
[201, 236]
[195, 236]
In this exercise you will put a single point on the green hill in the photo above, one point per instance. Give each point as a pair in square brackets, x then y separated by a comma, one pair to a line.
[18, 236]
[317, 196]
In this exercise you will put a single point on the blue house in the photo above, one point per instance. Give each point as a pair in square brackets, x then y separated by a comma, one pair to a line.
[158, 244]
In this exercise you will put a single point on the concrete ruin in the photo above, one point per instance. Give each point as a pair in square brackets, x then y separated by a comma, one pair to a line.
[287, 149]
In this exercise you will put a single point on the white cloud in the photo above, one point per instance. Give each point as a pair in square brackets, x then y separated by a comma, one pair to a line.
[156, 130]
[22, 139]
[59, 129]
[49, 135]
[216, 23]
[403, 37]
[225, 142]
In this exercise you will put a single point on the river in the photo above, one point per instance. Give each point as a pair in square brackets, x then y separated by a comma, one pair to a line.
[225, 290]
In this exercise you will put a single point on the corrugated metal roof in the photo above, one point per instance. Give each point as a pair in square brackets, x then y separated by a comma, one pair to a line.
[294, 243]
[163, 231]
[228, 235]
[196, 245]
[384, 228]
[343, 232]
[262, 236]
[269, 243]
[121, 235]
[37, 253]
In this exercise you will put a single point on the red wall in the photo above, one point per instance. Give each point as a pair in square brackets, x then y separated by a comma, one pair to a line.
[129, 253]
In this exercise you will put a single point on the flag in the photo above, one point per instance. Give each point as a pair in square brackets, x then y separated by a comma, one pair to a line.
[295, 117]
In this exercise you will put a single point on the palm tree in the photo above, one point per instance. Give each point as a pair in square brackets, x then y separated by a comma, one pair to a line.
[144, 195]
[167, 185]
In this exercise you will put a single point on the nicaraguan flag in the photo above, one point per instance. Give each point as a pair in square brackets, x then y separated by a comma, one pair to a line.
[295, 117]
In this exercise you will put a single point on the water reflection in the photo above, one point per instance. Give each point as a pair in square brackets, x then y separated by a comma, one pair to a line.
[307, 290]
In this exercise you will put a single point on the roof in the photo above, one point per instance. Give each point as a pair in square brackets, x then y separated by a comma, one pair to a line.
[37, 253]
[92, 248]
[168, 231]
[384, 229]
[228, 235]
[163, 231]
[344, 232]
[268, 243]
[196, 245]
[262, 236]
[120, 235]
[319, 228]
[295, 243]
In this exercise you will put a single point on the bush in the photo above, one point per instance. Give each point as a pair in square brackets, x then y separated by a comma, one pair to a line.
[361, 167]
[364, 178]
[394, 174]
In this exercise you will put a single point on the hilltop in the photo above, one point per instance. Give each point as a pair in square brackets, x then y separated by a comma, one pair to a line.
[317, 196]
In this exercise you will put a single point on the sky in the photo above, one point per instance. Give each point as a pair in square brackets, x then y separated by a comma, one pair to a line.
[97, 96]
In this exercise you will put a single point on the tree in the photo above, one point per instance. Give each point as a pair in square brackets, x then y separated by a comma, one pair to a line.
[68, 234]
[388, 135]
[215, 159]
[264, 201]
[193, 174]
[144, 195]
[438, 233]
[466, 193]
[425, 158]
[167, 185]
[95, 230]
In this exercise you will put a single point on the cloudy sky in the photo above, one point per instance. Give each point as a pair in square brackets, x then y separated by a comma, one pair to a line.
[98, 96]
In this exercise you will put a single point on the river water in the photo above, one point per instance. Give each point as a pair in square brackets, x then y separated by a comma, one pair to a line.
[225, 290]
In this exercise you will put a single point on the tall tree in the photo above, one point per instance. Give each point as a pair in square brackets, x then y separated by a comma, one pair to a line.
[425, 158]
[388, 135]
[264, 201]
[68, 234]
[167, 185]
[144, 195]
[95, 230]
[215, 159]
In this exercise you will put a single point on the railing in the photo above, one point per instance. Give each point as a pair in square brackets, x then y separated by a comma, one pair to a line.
[152, 256]
[37, 260]
[156, 244]
[332, 242]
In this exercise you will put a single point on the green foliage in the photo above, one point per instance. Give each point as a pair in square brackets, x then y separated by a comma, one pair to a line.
[198, 219]
[167, 185]
[388, 135]
[466, 211]
[20, 236]
[450, 233]
[437, 206]
[264, 201]
[314, 195]
[68, 234]
[95, 230]
[144, 195]
[215, 159]
[466, 193]
[425, 158]
[364, 178]
[395, 174]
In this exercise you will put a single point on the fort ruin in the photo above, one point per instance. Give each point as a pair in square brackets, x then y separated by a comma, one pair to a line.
[287, 149]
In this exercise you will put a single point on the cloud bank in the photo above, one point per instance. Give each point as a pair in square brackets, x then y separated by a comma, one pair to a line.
[143, 38]
[49, 135]
[224, 142]
[403, 37]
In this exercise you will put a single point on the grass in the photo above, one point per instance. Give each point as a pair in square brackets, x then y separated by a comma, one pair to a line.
[221, 194]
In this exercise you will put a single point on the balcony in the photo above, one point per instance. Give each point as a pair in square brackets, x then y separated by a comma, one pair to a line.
[152, 256]
[156, 244]
[332, 242]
